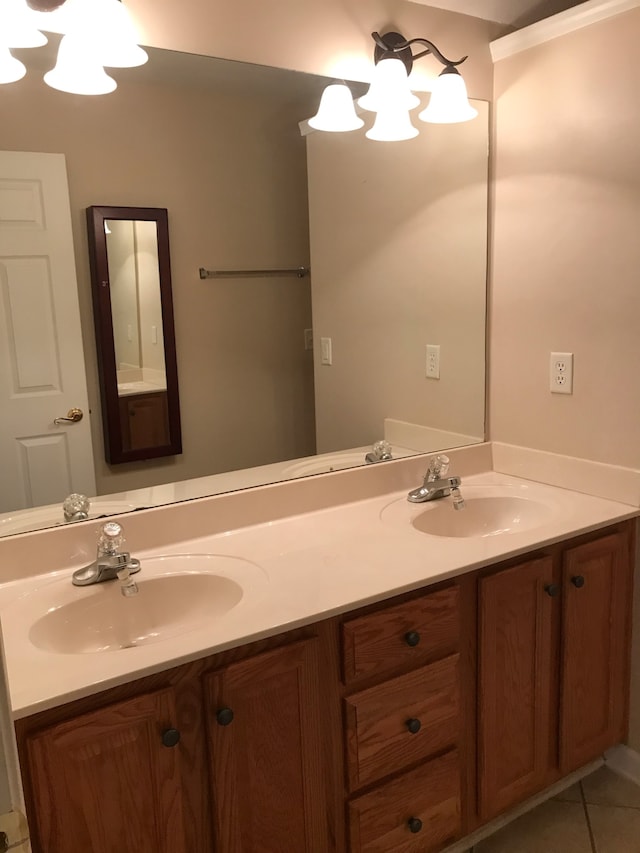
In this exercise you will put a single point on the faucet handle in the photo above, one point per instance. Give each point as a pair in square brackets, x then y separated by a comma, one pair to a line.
[75, 507]
[111, 538]
[438, 467]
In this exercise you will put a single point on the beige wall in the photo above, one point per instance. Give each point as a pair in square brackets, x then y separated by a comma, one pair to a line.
[566, 251]
[398, 252]
[330, 37]
[235, 199]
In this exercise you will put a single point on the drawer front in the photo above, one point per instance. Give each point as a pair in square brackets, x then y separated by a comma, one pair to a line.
[409, 633]
[418, 812]
[402, 721]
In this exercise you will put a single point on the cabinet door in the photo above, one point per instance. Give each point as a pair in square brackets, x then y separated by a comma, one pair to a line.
[597, 581]
[105, 782]
[266, 753]
[144, 420]
[515, 671]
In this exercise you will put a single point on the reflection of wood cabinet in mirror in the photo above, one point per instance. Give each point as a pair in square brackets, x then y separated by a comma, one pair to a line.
[133, 316]
[217, 143]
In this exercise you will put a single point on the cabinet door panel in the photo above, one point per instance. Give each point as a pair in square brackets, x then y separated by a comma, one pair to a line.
[595, 633]
[105, 783]
[515, 638]
[268, 783]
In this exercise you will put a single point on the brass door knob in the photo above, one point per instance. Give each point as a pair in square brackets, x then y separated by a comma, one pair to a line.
[72, 417]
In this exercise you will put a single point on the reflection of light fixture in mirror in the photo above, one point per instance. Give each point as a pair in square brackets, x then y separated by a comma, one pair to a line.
[95, 34]
[18, 25]
[336, 112]
[77, 70]
[107, 230]
[390, 94]
[11, 69]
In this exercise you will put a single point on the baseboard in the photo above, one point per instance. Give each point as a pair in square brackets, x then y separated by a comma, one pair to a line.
[465, 844]
[624, 761]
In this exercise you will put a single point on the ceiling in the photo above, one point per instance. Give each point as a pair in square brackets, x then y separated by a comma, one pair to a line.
[514, 13]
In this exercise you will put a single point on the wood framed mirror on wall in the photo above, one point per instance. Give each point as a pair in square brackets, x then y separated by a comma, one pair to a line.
[135, 336]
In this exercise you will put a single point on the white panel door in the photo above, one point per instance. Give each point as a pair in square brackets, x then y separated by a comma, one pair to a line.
[42, 373]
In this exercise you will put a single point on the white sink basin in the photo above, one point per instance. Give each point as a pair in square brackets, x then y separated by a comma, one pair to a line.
[177, 594]
[482, 516]
[489, 511]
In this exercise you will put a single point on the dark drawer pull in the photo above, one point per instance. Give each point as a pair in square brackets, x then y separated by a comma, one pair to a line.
[415, 824]
[578, 581]
[224, 716]
[414, 725]
[412, 638]
[552, 589]
[170, 737]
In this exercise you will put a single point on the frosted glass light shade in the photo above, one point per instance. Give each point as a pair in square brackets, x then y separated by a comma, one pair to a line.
[77, 70]
[18, 25]
[115, 36]
[11, 69]
[336, 112]
[392, 125]
[449, 102]
[389, 88]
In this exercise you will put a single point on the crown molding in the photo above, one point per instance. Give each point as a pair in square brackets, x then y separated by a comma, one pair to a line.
[559, 25]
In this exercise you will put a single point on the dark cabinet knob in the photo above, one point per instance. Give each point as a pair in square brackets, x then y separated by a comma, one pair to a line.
[412, 638]
[224, 716]
[415, 824]
[578, 581]
[414, 726]
[170, 737]
[552, 589]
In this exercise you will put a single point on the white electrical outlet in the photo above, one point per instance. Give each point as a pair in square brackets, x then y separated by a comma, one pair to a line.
[433, 361]
[561, 373]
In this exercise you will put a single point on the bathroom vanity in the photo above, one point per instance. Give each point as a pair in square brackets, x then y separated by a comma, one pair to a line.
[394, 727]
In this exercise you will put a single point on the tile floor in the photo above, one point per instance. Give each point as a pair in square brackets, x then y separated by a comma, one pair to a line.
[601, 814]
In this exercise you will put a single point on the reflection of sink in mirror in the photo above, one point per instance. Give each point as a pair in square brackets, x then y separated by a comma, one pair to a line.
[482, 516]
[182, 593]
[328, 462]
[51, 516]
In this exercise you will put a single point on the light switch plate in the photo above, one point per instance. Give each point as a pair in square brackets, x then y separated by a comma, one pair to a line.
[326, 354]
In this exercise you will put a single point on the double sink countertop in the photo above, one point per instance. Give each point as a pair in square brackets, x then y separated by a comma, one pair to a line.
[275, 576]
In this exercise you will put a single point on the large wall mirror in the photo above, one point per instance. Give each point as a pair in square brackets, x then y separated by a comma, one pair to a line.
[280, 376]
[133, 316]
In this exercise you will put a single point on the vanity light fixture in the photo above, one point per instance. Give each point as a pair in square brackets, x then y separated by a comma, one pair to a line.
[96, 33]
[390, 95]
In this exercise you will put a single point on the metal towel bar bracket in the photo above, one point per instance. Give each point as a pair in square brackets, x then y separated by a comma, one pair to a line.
[299, 272]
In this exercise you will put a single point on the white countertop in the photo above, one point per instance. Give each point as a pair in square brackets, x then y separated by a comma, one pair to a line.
[294, 571]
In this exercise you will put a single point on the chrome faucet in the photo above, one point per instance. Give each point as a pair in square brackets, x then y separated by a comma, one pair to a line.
[111, 561]
[380, 452]
[437, 484]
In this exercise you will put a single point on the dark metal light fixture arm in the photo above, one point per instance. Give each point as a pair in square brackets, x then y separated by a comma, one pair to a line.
[399, 46]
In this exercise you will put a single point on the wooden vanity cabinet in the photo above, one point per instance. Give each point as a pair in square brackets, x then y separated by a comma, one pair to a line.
[237, 753]
[395, 729]
[553, 657]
